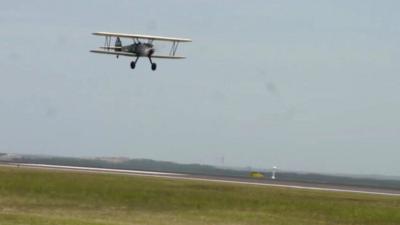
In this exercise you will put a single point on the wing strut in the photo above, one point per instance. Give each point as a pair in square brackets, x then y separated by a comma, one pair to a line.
[174, 48]
[107, 42]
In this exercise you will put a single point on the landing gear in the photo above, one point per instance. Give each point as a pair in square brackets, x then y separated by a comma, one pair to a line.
[153, 65]
[133, 63]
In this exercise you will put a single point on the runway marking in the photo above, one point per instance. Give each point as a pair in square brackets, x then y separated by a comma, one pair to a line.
[185, 177]
[296, 187]
[94, 169]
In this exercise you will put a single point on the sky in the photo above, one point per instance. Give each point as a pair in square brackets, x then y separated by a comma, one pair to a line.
[301, 85]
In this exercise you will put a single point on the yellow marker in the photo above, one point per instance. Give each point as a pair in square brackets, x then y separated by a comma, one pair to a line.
[256, 175]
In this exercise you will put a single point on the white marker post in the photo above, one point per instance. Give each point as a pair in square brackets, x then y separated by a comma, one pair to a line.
[273, 173]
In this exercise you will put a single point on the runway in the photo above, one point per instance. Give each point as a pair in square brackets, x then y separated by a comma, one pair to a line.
[242, 181]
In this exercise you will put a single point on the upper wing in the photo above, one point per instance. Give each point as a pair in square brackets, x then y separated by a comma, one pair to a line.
[133, 55]
[150, 37]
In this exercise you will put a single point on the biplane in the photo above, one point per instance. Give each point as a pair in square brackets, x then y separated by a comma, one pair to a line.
[142, 46]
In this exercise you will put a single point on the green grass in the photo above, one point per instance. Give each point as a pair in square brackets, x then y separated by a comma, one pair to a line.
[32, 196]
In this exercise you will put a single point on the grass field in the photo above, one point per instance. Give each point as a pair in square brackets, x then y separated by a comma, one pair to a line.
[32, 196]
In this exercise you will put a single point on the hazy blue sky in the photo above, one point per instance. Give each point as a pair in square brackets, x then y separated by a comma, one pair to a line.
[304, 85]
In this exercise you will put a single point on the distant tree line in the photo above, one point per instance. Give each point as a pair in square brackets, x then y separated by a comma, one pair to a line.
[207, 170]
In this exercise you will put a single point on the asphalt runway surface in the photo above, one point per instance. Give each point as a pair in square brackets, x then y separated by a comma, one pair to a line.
[244, 181]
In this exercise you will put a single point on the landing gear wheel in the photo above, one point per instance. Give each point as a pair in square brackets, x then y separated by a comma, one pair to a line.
[133, 64]
[153, 66]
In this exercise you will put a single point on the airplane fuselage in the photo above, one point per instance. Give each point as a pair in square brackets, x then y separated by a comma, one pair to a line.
[140, 49]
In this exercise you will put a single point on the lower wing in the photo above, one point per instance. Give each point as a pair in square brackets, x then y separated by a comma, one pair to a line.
[134, 55]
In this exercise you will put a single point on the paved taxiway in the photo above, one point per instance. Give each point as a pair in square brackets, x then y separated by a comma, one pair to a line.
[244, 181]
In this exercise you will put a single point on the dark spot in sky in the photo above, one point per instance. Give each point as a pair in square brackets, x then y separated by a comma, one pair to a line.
[62, 40]
[51, 112]
[218, 96]
[272, 88]
[13, 56]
